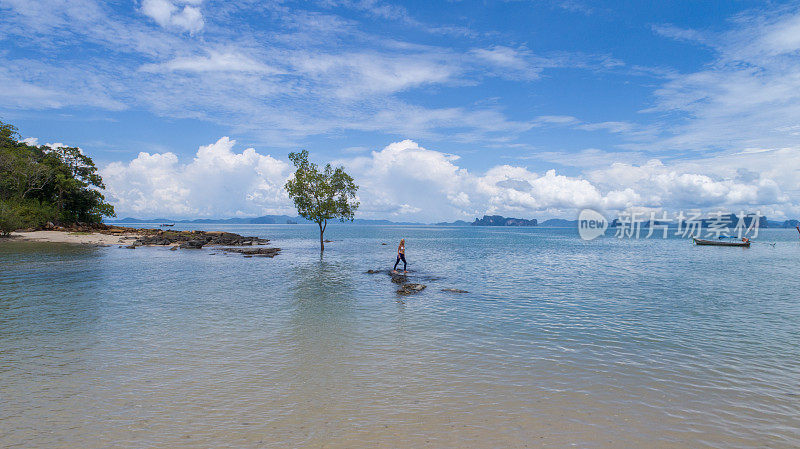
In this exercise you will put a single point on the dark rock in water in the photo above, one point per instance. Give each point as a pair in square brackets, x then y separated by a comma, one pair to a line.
[174, 248]
[454, 290]
[193, 244]
[131, 246]
[384, 244]
[327, 241]
[250, 252]
[398, 278]
[407, 289]
[374, 271]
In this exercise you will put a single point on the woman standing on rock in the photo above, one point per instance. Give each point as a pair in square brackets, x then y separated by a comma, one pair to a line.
[401, 255]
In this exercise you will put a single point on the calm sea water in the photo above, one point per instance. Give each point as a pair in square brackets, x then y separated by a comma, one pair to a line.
[609, 343]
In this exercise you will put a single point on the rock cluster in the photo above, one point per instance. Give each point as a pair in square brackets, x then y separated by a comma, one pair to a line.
[257, 252]
[398, 278]
[409, 288]
[406, 288]
[194, 239]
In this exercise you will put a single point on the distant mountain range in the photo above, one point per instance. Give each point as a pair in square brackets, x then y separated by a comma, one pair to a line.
[559, 223]
[265, 219]
[487, 220]
[454, 223]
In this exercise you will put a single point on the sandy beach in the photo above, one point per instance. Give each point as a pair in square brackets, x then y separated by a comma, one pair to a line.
[136, 237]
[85, 238]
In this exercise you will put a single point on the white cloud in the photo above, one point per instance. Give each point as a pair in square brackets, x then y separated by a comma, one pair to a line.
[32, 141]
[512, 62]
[717, 181]
[334, 76]
[182, 14]
[217, 182]
[748, 96]
[405, 181]
[85, 89]
[214, 62]
[363, 74]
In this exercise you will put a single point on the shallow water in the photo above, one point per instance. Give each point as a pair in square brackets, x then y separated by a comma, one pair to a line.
[608, 343]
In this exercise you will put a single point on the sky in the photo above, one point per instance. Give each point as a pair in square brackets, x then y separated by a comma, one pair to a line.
[441, 110]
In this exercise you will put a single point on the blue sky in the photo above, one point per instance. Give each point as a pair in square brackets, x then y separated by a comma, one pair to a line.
[442, 110]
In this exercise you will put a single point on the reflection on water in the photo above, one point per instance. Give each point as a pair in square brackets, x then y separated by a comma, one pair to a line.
[560, 342]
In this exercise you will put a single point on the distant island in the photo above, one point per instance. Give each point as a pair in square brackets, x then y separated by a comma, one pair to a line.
[497, 220]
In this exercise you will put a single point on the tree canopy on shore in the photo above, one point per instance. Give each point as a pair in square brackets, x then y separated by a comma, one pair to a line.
[321, 195]
[41, 184]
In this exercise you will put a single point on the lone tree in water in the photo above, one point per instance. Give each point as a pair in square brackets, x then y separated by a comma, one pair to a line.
[321, 195]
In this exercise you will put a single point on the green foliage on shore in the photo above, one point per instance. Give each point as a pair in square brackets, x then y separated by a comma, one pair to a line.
[39, 184]
[321, 195]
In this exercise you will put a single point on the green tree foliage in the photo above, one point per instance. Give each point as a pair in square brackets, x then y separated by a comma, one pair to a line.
[321, 195]
[40, 184]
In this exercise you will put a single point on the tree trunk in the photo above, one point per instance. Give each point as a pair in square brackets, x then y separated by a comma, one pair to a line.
[321, 240]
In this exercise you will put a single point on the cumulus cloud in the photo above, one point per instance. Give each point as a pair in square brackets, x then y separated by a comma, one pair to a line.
[217, 182]
[683, 185]
[181, 14]
[405, 181]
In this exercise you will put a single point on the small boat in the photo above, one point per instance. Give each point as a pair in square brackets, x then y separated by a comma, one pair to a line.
[744, 243]
[167, 225]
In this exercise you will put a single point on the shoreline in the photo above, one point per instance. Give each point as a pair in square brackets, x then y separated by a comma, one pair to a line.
[131, 238]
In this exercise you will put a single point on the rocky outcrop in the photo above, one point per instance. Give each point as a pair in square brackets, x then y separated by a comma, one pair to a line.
[194, 239]
[408, 289]
[257, 252]
[398, 278]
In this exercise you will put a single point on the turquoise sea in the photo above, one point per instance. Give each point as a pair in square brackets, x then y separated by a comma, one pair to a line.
[559, 342]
